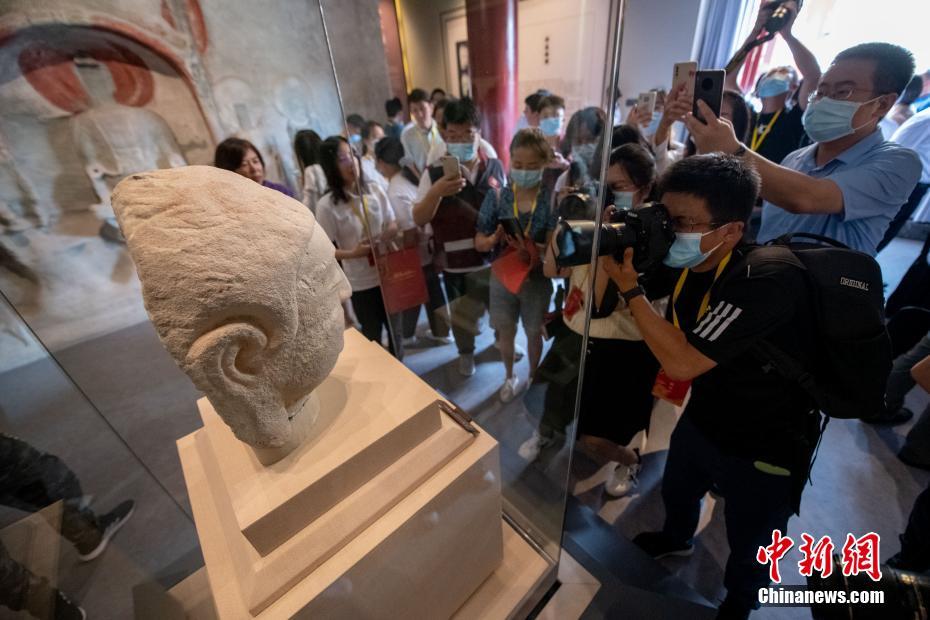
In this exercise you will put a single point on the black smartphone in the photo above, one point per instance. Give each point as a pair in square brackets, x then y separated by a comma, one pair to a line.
[512, 227]
[708, 87]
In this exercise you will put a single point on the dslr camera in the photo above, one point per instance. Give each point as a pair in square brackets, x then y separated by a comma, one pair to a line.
[647, 230]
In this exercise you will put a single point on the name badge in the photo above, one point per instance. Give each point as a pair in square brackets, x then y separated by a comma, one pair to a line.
[669, 389]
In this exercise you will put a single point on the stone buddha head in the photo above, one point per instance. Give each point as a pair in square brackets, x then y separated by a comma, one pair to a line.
[243, 289]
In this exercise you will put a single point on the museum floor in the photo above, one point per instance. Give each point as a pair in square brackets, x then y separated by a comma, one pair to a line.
[125, 448]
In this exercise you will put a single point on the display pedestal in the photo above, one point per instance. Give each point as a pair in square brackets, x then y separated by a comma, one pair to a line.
[389, 509]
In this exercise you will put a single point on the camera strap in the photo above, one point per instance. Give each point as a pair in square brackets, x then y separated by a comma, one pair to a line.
[705, 303]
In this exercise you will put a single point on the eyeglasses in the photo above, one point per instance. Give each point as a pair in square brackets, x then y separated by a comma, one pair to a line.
[843, 93]
[684, 224]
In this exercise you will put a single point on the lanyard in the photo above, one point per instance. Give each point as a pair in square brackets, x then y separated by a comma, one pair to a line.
[362, 220]
[705, 303]
[759, 137]
[516, 213]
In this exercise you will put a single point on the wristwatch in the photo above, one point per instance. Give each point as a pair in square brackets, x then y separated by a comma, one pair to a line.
[740, 151]
[632, 294]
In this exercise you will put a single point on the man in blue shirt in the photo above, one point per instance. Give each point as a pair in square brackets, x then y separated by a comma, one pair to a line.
[849, 184]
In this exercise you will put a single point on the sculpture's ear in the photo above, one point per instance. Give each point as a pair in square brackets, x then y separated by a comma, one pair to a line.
[231, 356]
[231, 365]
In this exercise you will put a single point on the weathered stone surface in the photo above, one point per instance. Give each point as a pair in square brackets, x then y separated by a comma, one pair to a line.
[243, 289]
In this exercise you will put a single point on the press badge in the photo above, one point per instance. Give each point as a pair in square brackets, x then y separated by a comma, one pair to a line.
[669, 389]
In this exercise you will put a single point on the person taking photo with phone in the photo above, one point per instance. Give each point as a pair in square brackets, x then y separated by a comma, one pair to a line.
[520, 218]
[778, 129]
[450, 203]
[850, 183]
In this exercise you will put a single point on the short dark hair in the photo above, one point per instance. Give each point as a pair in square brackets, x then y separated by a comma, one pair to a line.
[417, 95]
[533, 100]
[437, 90]
[741, 115]
[389, 150]
[461, 112]
[393, 107]
[329, 155]
[552, 101]
[638, 163]
[728, 186]
[440, 105]
[894, 65]
[306, 147]
[620, 135]
[356, 120]
[231, 151]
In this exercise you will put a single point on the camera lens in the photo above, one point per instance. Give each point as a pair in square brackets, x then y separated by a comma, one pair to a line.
[707, 84]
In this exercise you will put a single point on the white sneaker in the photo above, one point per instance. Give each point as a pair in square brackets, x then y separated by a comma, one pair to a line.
[437, 340]
[466, 364]
[410, 343]
[529, 450]
[511, 388]
[622, 479]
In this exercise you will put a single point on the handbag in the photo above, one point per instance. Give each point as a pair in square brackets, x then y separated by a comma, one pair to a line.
[403, 285]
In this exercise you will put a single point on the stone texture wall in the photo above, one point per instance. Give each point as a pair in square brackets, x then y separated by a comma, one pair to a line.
[193, 72]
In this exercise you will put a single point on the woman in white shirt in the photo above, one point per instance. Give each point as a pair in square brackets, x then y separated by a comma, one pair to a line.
[306, 145]
[402, 193]
[371, 134]
[618, 360]
[357, 224]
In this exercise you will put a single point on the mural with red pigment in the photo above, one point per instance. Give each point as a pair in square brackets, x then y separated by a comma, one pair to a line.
[51, 73]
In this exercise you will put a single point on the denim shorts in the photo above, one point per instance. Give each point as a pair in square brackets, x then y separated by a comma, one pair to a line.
[529, 305]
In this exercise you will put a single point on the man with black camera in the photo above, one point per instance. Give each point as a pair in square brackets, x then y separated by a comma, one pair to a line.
[851, 182]
[746, 431]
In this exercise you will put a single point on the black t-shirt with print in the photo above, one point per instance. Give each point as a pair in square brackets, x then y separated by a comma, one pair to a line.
[787, 134]
[742, 407]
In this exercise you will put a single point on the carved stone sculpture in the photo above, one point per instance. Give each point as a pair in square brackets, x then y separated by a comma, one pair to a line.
[244, 291]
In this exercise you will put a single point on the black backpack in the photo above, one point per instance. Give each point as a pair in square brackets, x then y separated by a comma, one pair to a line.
[853, 350]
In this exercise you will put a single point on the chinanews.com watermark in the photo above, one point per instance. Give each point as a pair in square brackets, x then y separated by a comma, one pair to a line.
[859, 556]
[799, 596]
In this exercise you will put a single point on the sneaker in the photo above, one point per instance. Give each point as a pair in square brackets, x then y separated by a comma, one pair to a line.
[66, 609]
[658, 545]
[529, 450]
[511, 388]
[110, 523]
[892, 418]
[410, 343]
[622, 479]
[466, 364]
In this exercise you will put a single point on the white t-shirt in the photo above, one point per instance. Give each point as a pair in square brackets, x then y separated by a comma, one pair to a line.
[314, 186]
[418, 143]
[403, 194]
[371, 174]
[342, 222]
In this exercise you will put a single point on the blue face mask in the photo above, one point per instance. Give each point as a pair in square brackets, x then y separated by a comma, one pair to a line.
[526, 178]
[355, 138]
[686, 251]
[584, 152]
[551, 126]
[773, 86]
[624, 200]
[464, 151]
[653, 126]
[828, 119]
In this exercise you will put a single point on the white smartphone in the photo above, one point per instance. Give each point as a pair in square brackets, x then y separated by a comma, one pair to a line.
[450, 166]
[646, 105]
[684, 73]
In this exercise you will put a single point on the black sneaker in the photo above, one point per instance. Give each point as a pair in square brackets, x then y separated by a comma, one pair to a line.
[110, 523]
[66, 609]
[658, 545]
[892, 418]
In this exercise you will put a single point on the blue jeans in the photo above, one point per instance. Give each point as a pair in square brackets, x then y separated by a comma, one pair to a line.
[755, 504]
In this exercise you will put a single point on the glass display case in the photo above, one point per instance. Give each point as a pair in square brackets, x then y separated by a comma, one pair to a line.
[94, 408]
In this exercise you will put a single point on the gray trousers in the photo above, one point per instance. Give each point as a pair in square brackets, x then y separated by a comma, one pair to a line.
[917, 445]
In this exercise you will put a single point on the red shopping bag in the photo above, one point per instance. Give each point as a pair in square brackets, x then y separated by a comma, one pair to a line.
[403, 285]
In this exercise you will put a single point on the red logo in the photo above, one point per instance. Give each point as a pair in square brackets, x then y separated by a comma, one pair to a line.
[859, 555]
